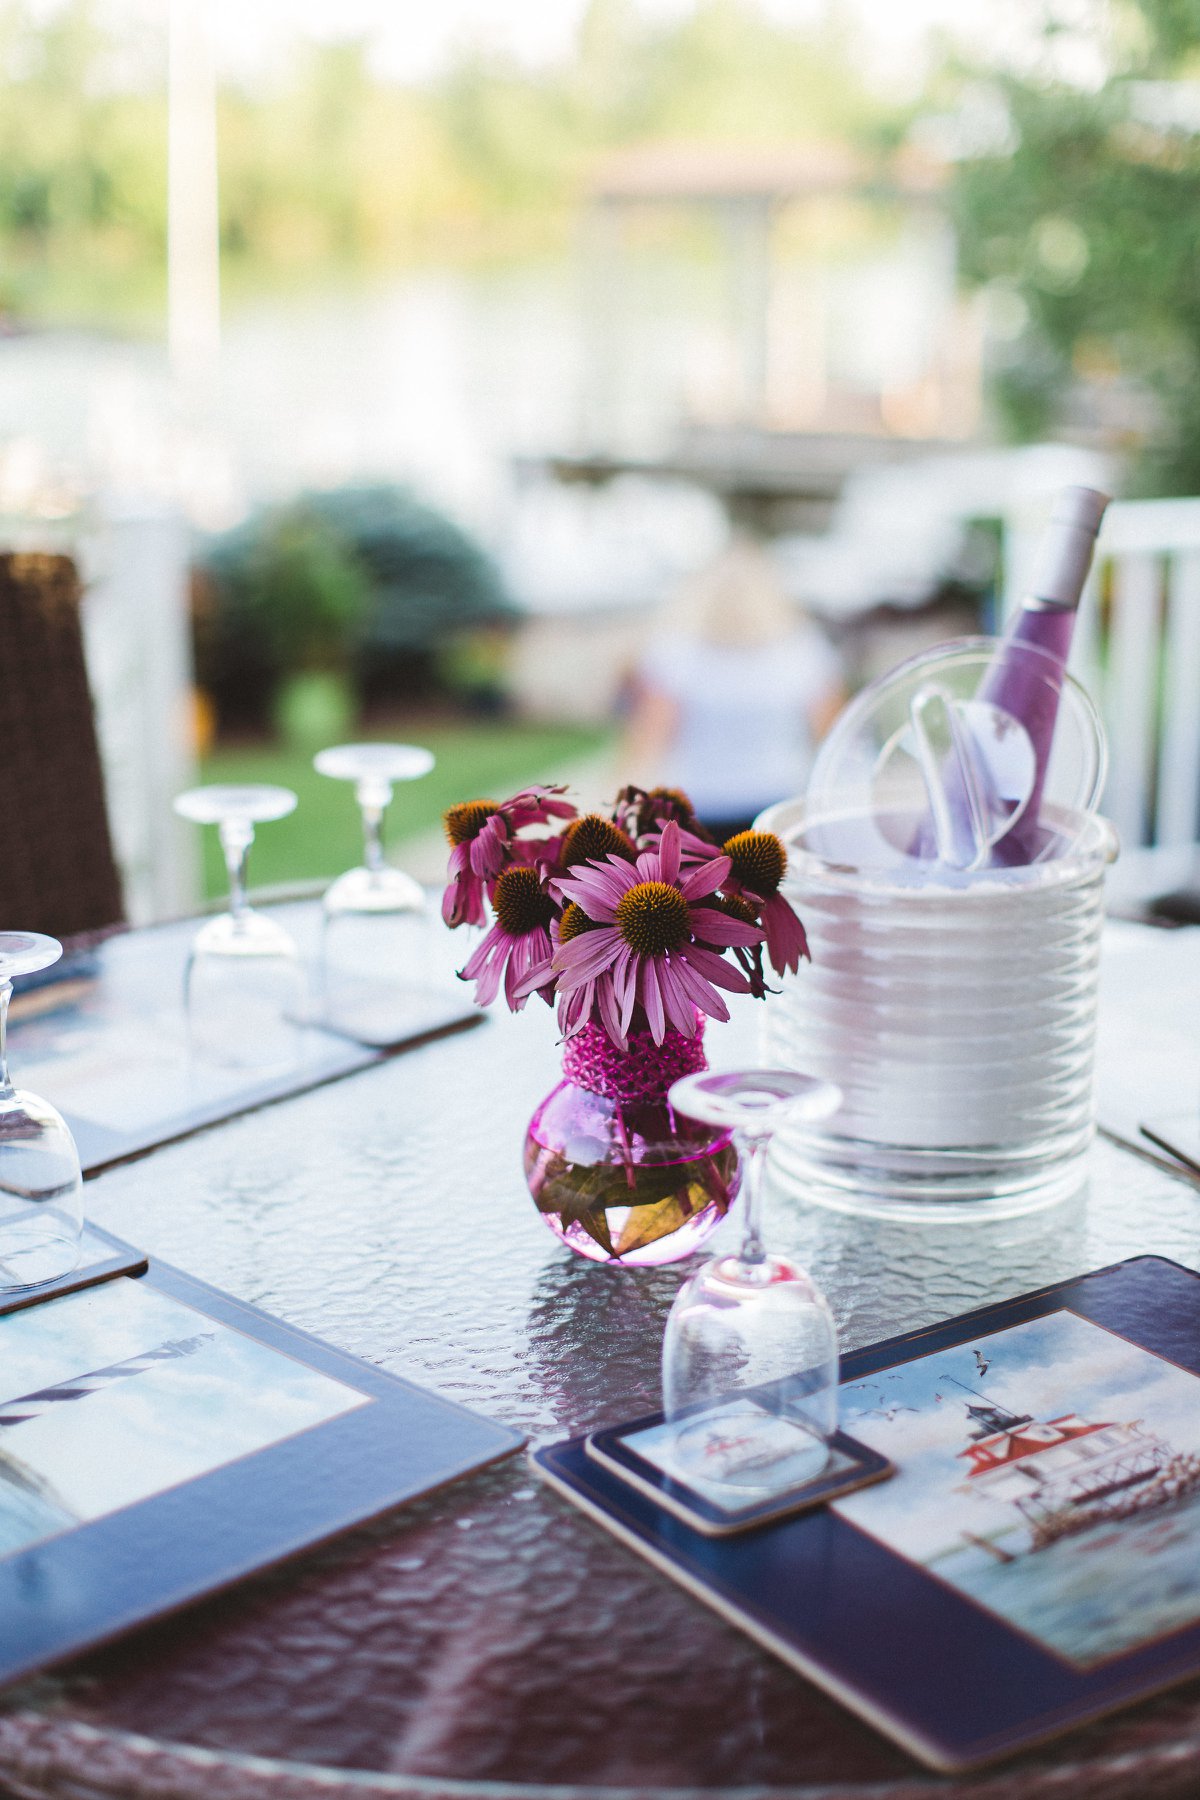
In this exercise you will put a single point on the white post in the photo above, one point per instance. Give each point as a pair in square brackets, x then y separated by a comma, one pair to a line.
[193, 237]
[603, 280]
[135, 625]
[748, 224]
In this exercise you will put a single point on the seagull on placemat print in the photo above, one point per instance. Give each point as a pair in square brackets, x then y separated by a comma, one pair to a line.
[981, 1363]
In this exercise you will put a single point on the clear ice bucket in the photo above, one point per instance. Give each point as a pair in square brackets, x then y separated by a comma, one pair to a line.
[957, 1015]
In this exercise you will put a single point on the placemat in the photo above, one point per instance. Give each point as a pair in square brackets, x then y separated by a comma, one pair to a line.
[1035, 1560]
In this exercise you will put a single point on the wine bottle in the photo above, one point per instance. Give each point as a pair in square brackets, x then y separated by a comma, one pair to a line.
[956, 745]
[1028, 688]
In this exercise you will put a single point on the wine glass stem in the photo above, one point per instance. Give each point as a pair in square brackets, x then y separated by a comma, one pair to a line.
[756, 1171]
[236, 839]
[6, 1086]
[372, 815]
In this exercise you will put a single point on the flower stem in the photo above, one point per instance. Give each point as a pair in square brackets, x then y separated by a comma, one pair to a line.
[623, 1134]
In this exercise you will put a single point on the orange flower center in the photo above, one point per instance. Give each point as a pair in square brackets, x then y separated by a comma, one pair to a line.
[653, 918]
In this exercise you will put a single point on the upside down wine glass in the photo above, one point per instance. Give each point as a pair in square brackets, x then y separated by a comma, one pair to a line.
[41, 1188]
[243, 986]
[374, 769]
[750, 1340]
[374, 916]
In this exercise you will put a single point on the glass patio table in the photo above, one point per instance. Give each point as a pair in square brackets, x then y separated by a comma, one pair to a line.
[489, 1641]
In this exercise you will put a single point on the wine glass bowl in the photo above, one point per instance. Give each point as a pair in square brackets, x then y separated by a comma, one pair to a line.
[244, 990]
[375, 886]
[41, 1186]
[750, 1340]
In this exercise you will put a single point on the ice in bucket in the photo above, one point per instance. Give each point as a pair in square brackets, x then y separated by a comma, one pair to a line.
[948, 865]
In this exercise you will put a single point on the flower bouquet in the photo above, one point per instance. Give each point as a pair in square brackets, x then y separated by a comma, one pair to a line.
[633, 923]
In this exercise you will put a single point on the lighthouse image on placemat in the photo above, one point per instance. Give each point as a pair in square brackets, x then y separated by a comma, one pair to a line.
[1069, 1473]
[1049, 1472]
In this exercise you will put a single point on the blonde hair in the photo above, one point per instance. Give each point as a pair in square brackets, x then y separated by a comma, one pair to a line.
[737, 600]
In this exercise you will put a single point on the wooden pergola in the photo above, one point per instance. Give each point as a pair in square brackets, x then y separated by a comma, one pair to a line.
[745, 186]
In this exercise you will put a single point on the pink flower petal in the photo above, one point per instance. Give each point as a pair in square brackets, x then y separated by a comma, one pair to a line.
[679, 1008]
[669, 853]
[486, 965]
[592, 888]
[478, 958]
[613, 877]
[713, 927]
[624, 975]
[583, 957]
[540, 975]
[531, 953]
[705, 878]
[714, 968]
[697, 849]
[699, 992]
[575, 1009]
[786, 939]
[487, 848]
[652, 1000]
[462, 902]
[624, 980]
[610, 1017]
[518, 965]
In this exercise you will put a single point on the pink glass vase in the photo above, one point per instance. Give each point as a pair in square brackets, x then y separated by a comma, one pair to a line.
[617, 1175]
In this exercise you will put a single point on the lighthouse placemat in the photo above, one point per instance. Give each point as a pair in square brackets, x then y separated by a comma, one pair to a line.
[1035, 1559]
[159, 1440]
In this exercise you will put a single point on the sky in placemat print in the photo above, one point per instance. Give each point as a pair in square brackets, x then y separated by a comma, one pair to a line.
[115, 1393]
[1051, 1472]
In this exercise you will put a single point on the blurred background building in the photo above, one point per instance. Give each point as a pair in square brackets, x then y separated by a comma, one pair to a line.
[390, 374]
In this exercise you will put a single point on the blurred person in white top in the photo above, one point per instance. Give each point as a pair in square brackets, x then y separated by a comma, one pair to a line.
[732, 693]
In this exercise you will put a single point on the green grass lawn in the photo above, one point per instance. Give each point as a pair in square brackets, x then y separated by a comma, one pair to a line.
[322, 837]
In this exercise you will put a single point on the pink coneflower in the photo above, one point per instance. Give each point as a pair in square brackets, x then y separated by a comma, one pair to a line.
[481, 834]
[758, 863]
[575, 1007]
[650, 945]
[748, 957]
[642, 812]
[517, 944]
[591, 837]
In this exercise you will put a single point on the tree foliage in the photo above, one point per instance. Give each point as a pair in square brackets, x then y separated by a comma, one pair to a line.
[1084, 215]
[329, 165]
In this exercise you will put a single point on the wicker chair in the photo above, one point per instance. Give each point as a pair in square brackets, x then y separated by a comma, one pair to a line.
[57, 870]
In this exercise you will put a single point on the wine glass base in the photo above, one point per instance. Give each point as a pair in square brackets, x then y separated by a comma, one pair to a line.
[30, 1256]
[384, 890]
[241, 803]
[25, 952]
[383, 763]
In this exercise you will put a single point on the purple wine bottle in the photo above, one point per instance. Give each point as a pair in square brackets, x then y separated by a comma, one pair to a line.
[970, 799]
[1028, 688]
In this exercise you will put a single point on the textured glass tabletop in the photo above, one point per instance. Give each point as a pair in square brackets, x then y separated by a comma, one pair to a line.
[490, 1634]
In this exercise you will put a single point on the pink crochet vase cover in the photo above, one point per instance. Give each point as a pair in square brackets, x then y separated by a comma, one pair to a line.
[643, 1072]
